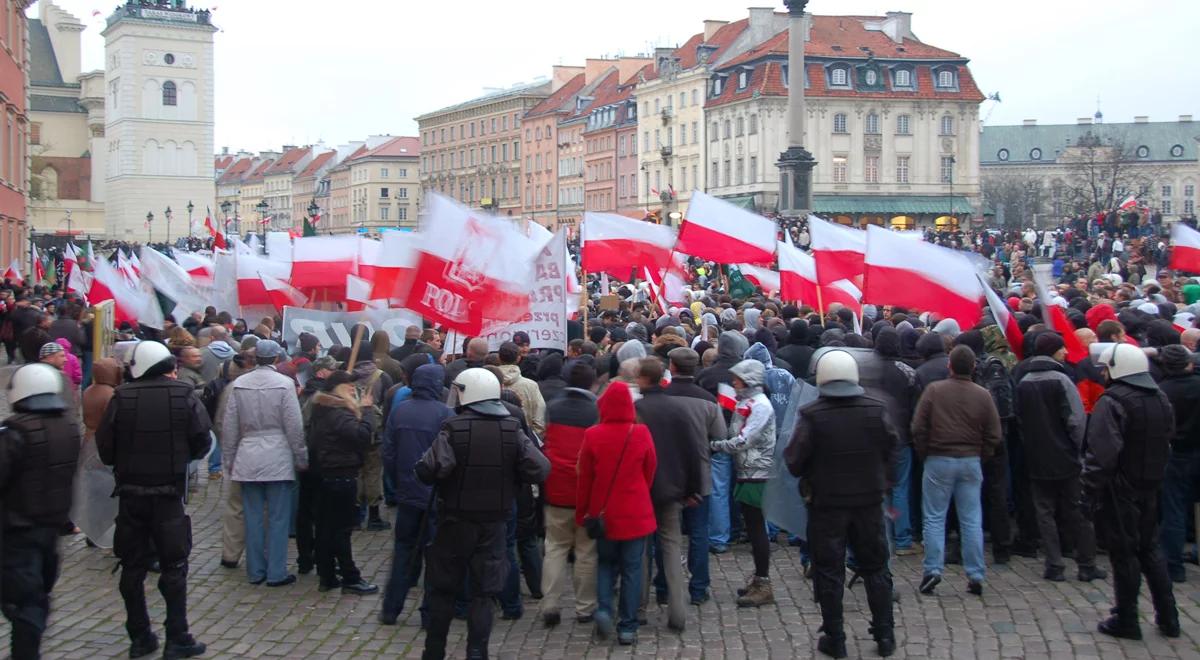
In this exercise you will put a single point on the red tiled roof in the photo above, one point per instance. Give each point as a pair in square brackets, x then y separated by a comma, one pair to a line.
[851, 33]
[236, 171]
[257, 175]
[222, 162]
[316, 164]
[287, 162]
[400, 146]
[722, 39]
[555, 102]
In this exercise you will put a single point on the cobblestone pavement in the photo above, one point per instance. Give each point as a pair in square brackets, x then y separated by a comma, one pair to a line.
[1019, 616]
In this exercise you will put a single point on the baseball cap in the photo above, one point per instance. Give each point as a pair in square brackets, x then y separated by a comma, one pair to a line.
[268, 348]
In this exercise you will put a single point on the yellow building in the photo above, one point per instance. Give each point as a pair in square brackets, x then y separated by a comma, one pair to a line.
[377, 187]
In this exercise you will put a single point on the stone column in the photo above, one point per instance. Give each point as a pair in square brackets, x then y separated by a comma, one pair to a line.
[796, 164]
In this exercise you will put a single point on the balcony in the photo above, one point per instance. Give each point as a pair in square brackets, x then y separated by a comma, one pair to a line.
[667, 113]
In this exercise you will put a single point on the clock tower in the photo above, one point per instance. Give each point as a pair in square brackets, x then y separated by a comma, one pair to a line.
[158, 118]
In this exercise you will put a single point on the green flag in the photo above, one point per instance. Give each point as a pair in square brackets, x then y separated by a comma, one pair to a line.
[739, 287]
[309, 230]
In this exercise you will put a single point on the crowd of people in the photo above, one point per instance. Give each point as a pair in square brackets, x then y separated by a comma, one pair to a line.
[608, 474]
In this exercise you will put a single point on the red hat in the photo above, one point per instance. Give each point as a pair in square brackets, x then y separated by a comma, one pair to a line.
[1014, 303]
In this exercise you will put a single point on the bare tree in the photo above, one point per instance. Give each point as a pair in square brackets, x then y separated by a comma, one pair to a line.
[1101, 172]
[1018, 199]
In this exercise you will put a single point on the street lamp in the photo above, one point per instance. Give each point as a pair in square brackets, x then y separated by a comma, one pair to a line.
[262, 207]
[313, 210]
[168, 214]
[951, 181]
[149, 227]
[225, 206]
[190, 207]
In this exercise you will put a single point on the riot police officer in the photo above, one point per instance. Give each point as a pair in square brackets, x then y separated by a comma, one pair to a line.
[153, 427]
[1128, 446]
[844, 449]
[476, 465]
[38, 450]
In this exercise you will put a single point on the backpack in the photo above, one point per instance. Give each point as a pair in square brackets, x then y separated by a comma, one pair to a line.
[991, 374]
[210, 396]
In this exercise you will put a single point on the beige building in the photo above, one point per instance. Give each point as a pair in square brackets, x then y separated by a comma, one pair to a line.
[277, 186]
[250, 220]
[385, 186]
[311, 186]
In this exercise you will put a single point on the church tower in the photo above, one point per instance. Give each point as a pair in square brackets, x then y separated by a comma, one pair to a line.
[158, 118]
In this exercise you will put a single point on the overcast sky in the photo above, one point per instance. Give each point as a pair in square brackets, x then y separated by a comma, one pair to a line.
[305, 70]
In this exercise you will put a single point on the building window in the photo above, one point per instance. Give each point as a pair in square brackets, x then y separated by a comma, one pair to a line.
[1189, 190]
[726, 126]
[872, 124]
[902, 169]
[170, 93]
[1143, 152]
[383, 172]
[695, 132]
[903, 78]
[715, 175]
[714, 133]
[739, 173]
[1166, 207]
[383, 193]
[870, 78]
[35, 133]
[657, 139]
[1166, 191]
[753, 174]
[695, 97]
[743, 79]
[1002, 154]
[945, 79]
[753, 124]
[1035, 154]
[727, 172]
[683, 134]
[383, 212]
[839, 169]
[402, 193]
[1189, 207]
[838, 77]
[402, 213]
[683, 178]
[740, 127]
[902, 125]
[947, 169]
[717, 86]
[871, 169]
[947, 126]
[839, 123]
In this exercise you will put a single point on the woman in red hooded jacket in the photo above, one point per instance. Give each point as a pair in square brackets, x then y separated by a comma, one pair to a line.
[618, 450]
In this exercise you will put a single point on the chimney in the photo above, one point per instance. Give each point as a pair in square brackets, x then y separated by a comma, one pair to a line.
[898, 26]
[562, 75]
[1185, 119]
[663, 57]
[1029, 122]
[1084, 121]
[593, 68]
[711, 27]
[761, 18]
[1141, 119]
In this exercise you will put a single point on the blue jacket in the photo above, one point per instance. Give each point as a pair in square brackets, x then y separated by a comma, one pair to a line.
[412, 426]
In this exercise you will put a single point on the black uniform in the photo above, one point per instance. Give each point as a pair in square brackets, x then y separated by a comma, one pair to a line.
[38, 451]
[152, 429]
[844, 450]
[1128, 446]
[477, 464]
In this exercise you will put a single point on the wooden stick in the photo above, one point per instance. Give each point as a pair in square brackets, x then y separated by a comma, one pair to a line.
[820, 306]
[358, 334]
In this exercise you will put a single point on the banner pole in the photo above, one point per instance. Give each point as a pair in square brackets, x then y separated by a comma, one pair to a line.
[820, 306]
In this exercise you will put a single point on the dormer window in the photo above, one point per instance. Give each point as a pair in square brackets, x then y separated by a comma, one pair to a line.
[743, 78]
[871, 78]
[717, 86]
[839, 77]
[903, 78]
[945, 79]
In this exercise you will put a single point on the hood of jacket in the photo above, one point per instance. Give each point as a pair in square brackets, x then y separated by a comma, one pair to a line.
[731, 346]
[1043, 363]
[331, 400]
[550, 366]
[664, 344]
[410, 364]
[631, 349]
[106, 372]
[995, 344]
[427, 382]
[221, 350]
[616, 404]
[930, 345]
[752, 316]
[760, 353]
[380, 343]
[948, 327]
[511, 373]
[887, 343]
[365, 368]
[752, 372]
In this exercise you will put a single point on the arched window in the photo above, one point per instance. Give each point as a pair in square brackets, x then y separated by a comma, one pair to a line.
[945, 79]
[837, 76]
[839, 123]
[872, 124]
[170, 94]
[903, 78]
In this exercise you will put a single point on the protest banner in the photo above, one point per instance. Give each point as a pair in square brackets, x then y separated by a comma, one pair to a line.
[334, 328]
[546, 322]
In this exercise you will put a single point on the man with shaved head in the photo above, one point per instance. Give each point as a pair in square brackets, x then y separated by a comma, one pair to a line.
[477, 352]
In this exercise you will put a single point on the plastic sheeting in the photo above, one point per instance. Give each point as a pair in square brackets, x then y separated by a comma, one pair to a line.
[93, 508]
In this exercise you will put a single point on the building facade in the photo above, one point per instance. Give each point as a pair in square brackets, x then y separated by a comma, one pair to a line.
[307, 186]
[540, 148]
[1157, 162]
[14, 165]
[159, 113]
[277, 186]
[385, 186]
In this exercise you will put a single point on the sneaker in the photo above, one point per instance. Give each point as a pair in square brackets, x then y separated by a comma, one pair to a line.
[1054, 574]
[975, 588]
[214, 476]
[718, 549]
[584, 618]
[551, 619]
[627, 638]
[290, 579]
[759, 594]
[914, 549]
[742, 591]
[184, 647]
[832, 647]
[700, 599]
[1168, 628]
[1114, 627]
[1089, 573]
[929, 582]
[225, 563]
[604, 626]
[143, 645]
[360, 588]
[1001, 556]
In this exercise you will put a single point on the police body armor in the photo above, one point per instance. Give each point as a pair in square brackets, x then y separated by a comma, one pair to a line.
[154, 418]
[1147, 439]
[40, 492]
[483, 485]
[846, 437]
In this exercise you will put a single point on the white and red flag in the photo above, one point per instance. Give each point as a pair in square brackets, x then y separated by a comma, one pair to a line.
[617, 245]
[281, 294]
[838, 250]
[218, 237]
[391, 266]
[764, 278]
[1054, 315]
[1130, 202]
[719, 231]
[1185, 248]
[200, 268]
[1004, 319]
[125, 268]
[358, 295]
[726, 396]
[324, 261]
[901, 271]
[471, 267]
[13, 273]
[250, 288]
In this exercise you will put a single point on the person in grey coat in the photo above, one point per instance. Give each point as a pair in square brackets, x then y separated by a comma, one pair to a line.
[262, 437]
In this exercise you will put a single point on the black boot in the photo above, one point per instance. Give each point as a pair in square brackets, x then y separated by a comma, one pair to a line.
[1115, 627]
[143, 645]
[834, 647]
[184, 647]
[374, 522]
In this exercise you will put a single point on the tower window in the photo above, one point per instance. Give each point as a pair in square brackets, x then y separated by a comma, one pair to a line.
[170, 94]
[169, 58]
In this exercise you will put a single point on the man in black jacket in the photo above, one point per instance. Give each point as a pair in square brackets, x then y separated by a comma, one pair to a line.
[39, 447]
[935, 363]
[844, 449]
[1128, 446]
[1181, 384]
[899, 386]
[1052, 421]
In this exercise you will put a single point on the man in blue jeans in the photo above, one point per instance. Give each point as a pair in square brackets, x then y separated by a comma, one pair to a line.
[955, 424]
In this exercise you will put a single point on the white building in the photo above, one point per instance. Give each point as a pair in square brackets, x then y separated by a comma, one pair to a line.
[158, 118]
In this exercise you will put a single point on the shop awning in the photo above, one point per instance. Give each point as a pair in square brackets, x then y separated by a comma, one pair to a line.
[891, 205]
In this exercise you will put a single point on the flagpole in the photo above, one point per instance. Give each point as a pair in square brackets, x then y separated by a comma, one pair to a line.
[583, 302]
[820, 306]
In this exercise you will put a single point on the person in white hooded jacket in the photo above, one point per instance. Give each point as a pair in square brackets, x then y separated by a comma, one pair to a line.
[752, 444]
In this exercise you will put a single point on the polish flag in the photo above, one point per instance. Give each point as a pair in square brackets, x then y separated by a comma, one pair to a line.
[132, 304]
[358, 295]
[471, 268]
[368, 257]
[1129, 203]
[199, 267]
[1004, 319]
[901, 271]
[392, 265]
[250, 288]
[671, 282]
[323, 261]
[125, 267]
[135, 264]
[726, 396]
[616, 245]
[655, 291]
[39, 270]
[844, 292]
[14, 273]
[1054, 316]
[719, 231]
[764, 278]
[838, 250]
[218, 237]
[281, 294]
[70, 261]
[797, 275]
[1185, 249]
[78, 280]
